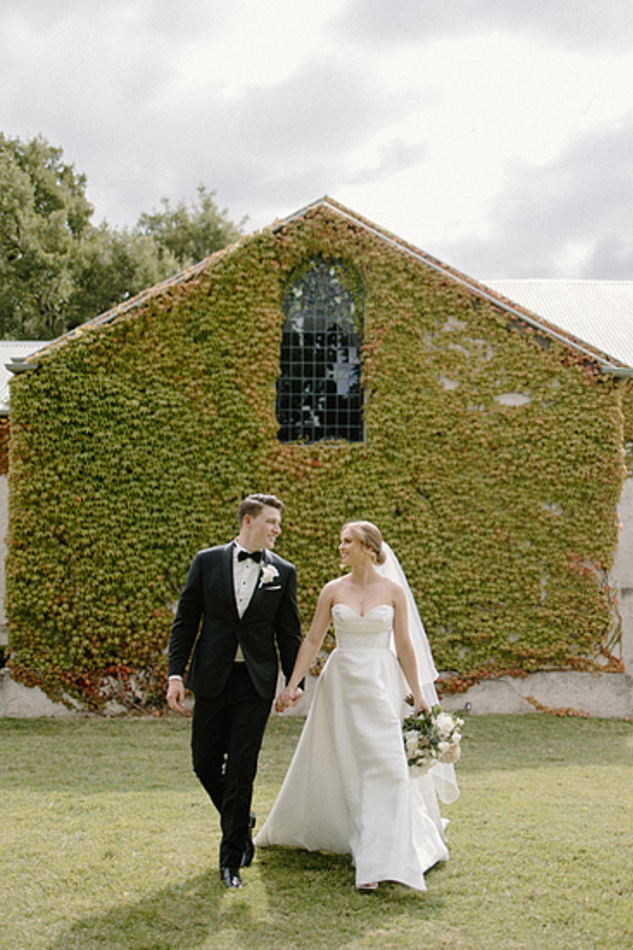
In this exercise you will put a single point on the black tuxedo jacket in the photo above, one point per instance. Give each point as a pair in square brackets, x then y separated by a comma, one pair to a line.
[269, 628]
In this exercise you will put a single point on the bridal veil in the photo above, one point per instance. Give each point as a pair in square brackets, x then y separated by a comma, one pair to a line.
[443, 776]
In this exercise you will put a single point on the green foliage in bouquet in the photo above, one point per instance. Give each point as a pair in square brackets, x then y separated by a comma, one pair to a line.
[430, 738]
[134, 442]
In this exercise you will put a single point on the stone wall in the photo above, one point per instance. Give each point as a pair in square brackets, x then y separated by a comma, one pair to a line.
[4, 526]
[622, 574]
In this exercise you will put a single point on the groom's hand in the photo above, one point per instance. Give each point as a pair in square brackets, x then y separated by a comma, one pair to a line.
[176, 695]
[293, 696]
[288, 698]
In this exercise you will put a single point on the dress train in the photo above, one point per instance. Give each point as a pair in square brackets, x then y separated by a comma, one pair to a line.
[348, 788]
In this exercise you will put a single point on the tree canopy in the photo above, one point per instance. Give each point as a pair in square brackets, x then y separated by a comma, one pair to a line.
[189, 233]
[58, 269]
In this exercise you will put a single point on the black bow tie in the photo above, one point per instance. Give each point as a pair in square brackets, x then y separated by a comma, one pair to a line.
[256, 555]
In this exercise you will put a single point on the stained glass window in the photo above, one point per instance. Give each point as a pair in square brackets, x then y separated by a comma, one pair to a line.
[319, 394]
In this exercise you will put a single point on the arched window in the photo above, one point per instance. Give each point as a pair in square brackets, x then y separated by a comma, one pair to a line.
[319, 394]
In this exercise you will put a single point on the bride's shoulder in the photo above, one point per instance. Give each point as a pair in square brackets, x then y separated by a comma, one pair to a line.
[333, 589]
[395, 589]
[327, 597]
[333, 586]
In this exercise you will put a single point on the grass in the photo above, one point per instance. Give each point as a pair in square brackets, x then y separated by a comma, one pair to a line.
[108, 842]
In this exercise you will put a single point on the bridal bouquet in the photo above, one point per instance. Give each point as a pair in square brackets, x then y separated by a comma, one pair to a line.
[430, 738]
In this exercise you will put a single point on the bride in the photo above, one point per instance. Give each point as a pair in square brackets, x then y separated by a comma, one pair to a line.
[348, 788]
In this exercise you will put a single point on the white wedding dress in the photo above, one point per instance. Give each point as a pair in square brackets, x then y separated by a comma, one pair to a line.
[348, 788]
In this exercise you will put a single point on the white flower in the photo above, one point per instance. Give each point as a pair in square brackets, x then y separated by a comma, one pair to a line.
[444, 747]
[411, 744]
[445, 725]
[269, 573]
[452, 755]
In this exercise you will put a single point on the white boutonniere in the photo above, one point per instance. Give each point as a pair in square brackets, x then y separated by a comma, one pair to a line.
[269, 574]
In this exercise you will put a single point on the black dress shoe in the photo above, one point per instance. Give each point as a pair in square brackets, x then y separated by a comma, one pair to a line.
[231, 877]
[249, 848]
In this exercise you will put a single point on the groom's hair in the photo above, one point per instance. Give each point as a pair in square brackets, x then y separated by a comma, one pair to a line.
[254, 504]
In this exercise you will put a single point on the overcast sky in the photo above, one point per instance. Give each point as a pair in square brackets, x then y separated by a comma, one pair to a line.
[496, 135]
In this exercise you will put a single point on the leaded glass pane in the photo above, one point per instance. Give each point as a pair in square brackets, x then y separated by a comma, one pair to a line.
[319, 394]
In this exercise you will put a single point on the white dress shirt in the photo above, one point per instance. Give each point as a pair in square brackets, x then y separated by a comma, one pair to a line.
[245, 577]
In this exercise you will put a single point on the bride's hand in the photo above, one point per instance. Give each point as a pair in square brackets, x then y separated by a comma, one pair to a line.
[294, 696]
[288, 698]
[420, 705]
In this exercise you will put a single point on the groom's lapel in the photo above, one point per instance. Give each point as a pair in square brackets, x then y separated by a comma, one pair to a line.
[227, 575]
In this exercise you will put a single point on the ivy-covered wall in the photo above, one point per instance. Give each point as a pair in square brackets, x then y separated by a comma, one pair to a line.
[133, 443]
[627, 429]
[5, 429]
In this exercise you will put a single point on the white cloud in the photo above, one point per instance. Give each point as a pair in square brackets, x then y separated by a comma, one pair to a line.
[583, 23]
[569, 217]
[472, 128]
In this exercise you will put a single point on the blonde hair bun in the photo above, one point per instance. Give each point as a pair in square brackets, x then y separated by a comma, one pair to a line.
[369, 535]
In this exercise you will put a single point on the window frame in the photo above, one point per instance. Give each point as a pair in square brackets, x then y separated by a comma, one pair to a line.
[320, 395]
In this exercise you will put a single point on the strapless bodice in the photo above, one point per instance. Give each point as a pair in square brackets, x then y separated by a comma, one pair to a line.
[354, 632]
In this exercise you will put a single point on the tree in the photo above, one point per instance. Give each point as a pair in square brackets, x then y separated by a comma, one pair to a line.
[190, 234]
[58, 270]
[44, 213]
[110, 267]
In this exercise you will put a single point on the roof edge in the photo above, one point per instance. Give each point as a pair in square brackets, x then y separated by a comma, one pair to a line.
[608, 365]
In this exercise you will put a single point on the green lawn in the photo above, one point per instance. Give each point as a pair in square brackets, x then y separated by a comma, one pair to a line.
[108, 842]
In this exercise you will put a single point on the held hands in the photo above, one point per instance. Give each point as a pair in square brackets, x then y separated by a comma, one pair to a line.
[289, 697]
[176, 695]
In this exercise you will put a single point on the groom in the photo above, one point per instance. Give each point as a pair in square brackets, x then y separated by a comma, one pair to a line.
[236, 615]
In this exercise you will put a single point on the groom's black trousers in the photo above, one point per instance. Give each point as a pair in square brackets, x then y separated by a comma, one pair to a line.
[226, 737]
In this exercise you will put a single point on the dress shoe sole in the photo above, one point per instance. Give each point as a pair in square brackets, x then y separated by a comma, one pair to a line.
[231, 879]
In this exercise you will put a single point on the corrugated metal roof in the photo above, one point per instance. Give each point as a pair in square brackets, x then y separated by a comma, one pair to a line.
[9, 349]
[599, 312]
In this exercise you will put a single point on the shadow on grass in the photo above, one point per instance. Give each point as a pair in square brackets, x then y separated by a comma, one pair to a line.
[292, 899]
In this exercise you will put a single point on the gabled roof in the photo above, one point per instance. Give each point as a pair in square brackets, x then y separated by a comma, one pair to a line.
[599, 311]
[516, 311]
[608, 364]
